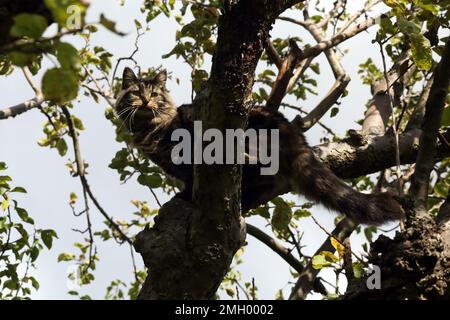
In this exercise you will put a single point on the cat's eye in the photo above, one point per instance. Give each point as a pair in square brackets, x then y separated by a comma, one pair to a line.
[154, 94]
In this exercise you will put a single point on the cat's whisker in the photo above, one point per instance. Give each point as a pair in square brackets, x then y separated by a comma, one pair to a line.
[122, 112]
[130, 123]
[124, 121]
[134, 116]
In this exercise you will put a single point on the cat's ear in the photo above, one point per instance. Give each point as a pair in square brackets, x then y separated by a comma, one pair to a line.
[128, 78]
[161, 78]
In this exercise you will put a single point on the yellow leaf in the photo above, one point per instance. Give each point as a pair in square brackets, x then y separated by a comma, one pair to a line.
[73, 198]
[5, 204]
[338, 246]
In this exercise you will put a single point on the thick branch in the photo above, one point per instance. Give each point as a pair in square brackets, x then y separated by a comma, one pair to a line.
[430, 127]
[351, 159]
[379, 111]
[21, 108]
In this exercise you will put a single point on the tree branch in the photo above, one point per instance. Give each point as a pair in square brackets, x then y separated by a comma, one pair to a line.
[339, 38]
[27, 105]
[81, 173]
[14, 111]
[430, 128]
[350, 159]
[285, 74]
[284, 253]
[305, 281]
[324, 105]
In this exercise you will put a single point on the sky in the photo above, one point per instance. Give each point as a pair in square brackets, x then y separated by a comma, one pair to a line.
[44, 174]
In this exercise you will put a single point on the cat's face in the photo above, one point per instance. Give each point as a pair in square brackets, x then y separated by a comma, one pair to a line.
[145, 101]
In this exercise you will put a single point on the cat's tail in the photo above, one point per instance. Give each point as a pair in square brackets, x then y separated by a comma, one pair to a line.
[319, 183]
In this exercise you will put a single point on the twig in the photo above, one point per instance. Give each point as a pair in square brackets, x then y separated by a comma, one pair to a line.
[283, 252]
[276, 246]
[84, 182]
[324, 105]
[337, 39]
[320, 123]
[130, 57]
[23, 43]
[306, 279]
[394, 121]
[105, 94]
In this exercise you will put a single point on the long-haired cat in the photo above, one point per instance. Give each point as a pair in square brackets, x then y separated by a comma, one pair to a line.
[149, 113]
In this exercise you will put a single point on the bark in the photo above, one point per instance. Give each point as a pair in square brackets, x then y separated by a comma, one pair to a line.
[416, 263]
[355, 156]
[190, 248]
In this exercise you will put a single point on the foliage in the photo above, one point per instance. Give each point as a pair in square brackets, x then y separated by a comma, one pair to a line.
[20, 243]
[77, 71]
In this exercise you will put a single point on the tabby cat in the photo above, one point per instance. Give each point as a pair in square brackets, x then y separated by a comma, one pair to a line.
[150, 115]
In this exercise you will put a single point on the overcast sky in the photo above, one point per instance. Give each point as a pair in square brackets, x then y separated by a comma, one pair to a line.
[44, 174]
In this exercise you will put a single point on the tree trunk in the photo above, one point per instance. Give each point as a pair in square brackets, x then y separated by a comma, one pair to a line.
[190, 248]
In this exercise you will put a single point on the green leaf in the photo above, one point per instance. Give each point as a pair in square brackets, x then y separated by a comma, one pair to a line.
[61, 146]
[11, 285]
[34, 283]
[421, 51]
[60, 12]
[151, 181]
[301, 213]
[59, 85]
[334, 112]
[22, 59]
[19, 190]
[23, 214]
[28, 25]
[282, 215]
[428, 5]
[47, 237]
[68, 56]
[358, 269]
[445, 120]
[369, 232]
[407, 27]
[110, 25]
[34, 253]
[441, 189]
[262, 211]
[78, 124]
[319, 262]
[324, 259]
[65, 257]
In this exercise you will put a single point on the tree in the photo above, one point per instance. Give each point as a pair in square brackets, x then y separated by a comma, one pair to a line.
[189, 248]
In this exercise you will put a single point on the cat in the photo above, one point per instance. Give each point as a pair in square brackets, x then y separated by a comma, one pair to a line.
[150, 115]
